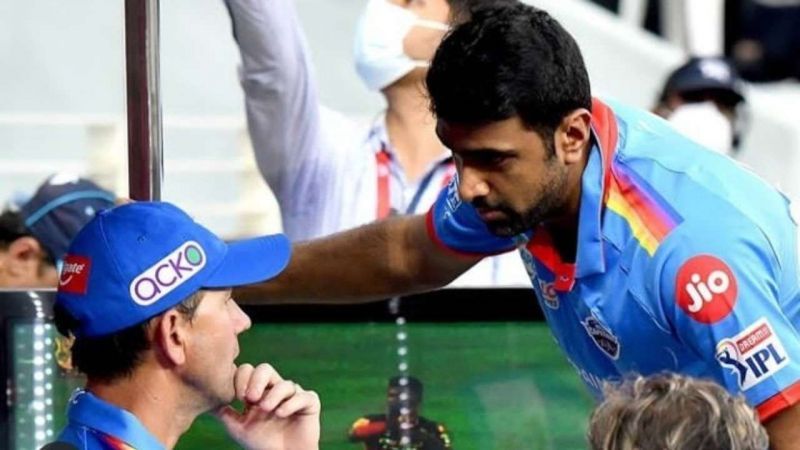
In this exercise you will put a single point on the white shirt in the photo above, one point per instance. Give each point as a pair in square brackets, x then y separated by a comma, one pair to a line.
[322, 166]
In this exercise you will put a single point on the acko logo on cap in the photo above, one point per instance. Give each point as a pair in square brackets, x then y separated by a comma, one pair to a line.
[169, 273]
[74, 277]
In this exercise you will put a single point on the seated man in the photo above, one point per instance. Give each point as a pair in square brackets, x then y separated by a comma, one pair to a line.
[401, 426]
[146, 292]
[674, 412]
[34, 236]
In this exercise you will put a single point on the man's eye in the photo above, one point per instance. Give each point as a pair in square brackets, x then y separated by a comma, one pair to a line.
[489, 159]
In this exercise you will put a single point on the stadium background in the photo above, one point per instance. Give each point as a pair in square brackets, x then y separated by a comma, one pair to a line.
[491, 371]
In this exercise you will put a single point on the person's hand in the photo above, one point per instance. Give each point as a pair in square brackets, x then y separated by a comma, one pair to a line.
[278, 413]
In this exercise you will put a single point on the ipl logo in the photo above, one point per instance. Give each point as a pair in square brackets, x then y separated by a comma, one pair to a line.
[169, 273]
[753, 355]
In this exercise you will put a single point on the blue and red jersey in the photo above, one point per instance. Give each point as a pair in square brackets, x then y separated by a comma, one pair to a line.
[686, 262]
[94, 424]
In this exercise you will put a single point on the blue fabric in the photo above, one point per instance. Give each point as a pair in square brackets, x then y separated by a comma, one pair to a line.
[90, 420]
[133, 262]
[719, 296]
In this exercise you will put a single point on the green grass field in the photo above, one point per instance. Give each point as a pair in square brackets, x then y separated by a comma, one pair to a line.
[494, 385]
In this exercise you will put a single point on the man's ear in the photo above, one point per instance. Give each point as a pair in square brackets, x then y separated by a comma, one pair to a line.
[170, 336]
[23, 256]
[573, 135]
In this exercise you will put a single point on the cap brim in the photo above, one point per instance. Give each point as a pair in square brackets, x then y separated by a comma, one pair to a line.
[251, 261]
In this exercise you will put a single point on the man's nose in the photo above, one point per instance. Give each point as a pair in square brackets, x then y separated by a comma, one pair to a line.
[471, 185]
[242, 320]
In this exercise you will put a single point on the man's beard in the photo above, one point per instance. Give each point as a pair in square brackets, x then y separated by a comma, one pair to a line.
[547, 206]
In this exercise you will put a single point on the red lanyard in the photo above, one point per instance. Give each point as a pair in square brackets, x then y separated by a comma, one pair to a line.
[383, 161]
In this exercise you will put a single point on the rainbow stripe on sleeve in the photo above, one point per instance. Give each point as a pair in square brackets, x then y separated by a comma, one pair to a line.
[649, 216]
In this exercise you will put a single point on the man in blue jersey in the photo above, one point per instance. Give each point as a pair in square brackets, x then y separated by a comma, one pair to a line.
[647, 252]
[146, 293]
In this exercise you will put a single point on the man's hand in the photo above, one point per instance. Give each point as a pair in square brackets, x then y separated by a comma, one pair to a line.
[278, 413]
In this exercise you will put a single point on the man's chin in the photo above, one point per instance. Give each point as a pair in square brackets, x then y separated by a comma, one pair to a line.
[224, 399]
[504, 228]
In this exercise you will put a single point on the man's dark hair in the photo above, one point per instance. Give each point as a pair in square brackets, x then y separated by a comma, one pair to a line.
[12, 227]
[117, 355]
[462, 10]
[508, 59]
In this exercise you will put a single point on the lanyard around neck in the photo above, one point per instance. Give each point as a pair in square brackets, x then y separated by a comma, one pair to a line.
[383, 161]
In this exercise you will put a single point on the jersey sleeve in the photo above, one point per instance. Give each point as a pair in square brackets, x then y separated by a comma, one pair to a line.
[455, 226]
[720, 289]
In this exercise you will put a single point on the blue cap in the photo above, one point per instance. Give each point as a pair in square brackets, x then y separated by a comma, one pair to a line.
[61, 206]
[135, 261]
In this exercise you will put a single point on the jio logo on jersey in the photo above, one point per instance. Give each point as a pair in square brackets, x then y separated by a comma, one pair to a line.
[167, 274]
[706, 289]
[753, 355]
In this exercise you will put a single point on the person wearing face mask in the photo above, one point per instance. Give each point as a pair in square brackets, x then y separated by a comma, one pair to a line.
[704, 99]
[327, 173]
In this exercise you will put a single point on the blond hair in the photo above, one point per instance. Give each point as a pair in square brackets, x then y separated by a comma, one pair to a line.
[674, 412]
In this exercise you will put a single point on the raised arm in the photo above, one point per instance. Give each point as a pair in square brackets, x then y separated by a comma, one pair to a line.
[379, 260]
[295, 152]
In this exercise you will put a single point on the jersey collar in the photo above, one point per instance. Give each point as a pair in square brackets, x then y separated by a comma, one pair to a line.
[590, 257]
[86, 409]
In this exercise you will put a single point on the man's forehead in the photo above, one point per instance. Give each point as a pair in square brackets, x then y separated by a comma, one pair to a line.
[491, 135]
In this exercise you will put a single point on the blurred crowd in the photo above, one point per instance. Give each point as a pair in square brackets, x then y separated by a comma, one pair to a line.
[760, 37]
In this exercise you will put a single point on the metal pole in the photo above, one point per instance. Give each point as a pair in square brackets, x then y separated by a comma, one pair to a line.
[145, 158]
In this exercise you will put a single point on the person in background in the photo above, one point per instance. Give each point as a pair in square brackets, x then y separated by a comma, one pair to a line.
[146, 293]
[327, 173]
[704, 99]
[34, 236]
[674, 412]
[401, 426]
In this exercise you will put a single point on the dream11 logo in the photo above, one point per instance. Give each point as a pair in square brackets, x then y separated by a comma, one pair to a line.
[166, 275]
[753, 355]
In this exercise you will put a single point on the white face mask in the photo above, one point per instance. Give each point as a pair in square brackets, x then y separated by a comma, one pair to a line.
[379, 56]
[704, 124]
